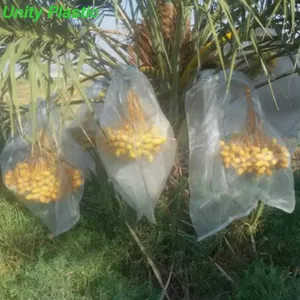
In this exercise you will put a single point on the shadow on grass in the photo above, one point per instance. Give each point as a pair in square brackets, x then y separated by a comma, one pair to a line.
[80, 264]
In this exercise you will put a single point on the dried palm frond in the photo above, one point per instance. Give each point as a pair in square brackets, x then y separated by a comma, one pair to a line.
[143, 44]
[168, 16]
[295, 160]
[187, 32]
[187, 52]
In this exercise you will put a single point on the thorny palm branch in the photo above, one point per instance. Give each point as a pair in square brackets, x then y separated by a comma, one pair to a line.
[171, 41]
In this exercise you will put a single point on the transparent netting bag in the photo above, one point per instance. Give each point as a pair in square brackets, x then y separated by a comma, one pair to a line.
[79, 139]
[136, 142]
[81, 131]
[97, 90]
[236, 157]
[35, 170]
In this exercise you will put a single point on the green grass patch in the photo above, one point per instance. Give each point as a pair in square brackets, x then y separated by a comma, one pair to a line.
[100, 259]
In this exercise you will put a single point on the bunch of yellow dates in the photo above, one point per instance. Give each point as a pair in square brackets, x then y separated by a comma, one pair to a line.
[134, 143]
[39, 180]
[254, 159]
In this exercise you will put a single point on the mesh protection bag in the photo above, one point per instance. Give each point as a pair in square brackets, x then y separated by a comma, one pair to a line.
[136, 144]
[236, 157]
[97, 90]
[81, 133]
[36, 172]
[79, 140]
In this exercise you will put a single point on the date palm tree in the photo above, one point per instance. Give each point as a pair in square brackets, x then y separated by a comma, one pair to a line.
[170, 41]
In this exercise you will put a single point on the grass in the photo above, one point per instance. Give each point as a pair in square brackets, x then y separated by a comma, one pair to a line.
[82, 264]
[100, 259]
